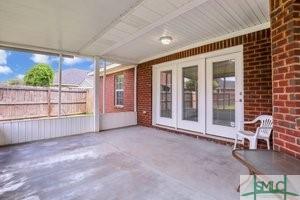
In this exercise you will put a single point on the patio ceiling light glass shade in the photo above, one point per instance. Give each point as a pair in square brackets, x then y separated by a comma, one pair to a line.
[165, 40]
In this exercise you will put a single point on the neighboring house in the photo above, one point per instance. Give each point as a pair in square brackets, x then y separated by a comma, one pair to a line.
[88, 82]
[74, 77]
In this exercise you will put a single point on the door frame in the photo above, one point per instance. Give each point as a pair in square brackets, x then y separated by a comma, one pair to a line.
[173, 65]
[224, 131]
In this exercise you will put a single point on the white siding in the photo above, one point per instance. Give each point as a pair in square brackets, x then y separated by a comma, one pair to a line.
[117, 120]
[20, 131]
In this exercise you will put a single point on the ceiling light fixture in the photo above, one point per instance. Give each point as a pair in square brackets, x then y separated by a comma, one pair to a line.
[165, 40]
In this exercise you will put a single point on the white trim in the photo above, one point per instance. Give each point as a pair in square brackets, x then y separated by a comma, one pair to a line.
[230, 50]
[134, 89]
[213, 40]
[59, 83]
[154, 91]
[185, 8]
[96, 95]
[121, 60]
[117, 69]
[118, 90]
[103, 87]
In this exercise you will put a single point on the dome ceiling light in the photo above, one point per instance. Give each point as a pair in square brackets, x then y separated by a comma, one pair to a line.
[165, 40]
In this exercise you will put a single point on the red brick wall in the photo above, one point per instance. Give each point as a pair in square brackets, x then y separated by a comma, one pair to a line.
[257, 74]
[285, 31]
[110, 92]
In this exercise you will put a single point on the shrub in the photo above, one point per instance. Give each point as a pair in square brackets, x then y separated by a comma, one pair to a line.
[39, 75]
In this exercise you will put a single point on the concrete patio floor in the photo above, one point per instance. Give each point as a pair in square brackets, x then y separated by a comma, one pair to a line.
[129, 163]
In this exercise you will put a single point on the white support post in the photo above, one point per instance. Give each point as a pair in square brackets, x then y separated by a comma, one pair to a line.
[59, 83]
[96, 95]
[134, 90]
[104, 87]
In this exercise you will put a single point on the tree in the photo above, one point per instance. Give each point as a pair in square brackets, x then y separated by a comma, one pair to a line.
[39, 75]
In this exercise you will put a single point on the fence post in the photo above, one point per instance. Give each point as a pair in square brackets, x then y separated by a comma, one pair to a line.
[49, 101]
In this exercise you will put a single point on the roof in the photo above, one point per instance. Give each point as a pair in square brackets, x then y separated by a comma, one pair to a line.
[71, 76]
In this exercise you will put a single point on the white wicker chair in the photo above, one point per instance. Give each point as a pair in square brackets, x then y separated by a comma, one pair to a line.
[263, 132]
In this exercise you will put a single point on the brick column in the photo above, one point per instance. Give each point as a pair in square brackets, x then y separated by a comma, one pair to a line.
[285, 29]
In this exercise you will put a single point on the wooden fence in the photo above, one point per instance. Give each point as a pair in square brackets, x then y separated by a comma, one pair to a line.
[22, 102]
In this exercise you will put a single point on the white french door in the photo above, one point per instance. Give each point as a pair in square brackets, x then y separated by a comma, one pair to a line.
[191, 95]
[202, 94]
[166, 94]
[224, 94]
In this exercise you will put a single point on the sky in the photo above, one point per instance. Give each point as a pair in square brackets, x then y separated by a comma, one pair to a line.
[14, 64]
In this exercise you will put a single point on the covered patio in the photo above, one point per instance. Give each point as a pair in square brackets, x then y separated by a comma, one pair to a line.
[198, 68]
[128, 163]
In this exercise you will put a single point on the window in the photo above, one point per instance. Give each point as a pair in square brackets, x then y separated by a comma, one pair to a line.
[119, 90]
[190, 93]
[224, 93]
[166, 94]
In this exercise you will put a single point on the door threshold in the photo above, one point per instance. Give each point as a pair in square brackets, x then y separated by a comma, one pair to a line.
[198, 134]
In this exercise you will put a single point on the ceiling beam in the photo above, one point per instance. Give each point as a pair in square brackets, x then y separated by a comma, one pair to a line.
[187, 7]
[41, 50]
[121, 60]
[56, 52]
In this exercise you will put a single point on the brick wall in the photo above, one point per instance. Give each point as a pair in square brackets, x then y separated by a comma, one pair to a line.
[285, 26]
[110, 92]
[257, 75]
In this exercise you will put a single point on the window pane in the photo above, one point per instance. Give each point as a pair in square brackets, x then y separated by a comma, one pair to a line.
[166, 94]
[119, 81]
[190, 93]
[224, 93]
[119, 100]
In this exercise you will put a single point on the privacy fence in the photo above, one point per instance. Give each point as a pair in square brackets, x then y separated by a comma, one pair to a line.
[23, 102]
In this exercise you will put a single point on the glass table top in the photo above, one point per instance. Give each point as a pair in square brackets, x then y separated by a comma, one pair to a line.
[268, 162]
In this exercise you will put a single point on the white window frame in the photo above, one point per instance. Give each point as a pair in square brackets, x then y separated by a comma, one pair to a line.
[119, 90]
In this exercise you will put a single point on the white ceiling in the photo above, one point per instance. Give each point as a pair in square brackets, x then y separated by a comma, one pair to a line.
[126, 30]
